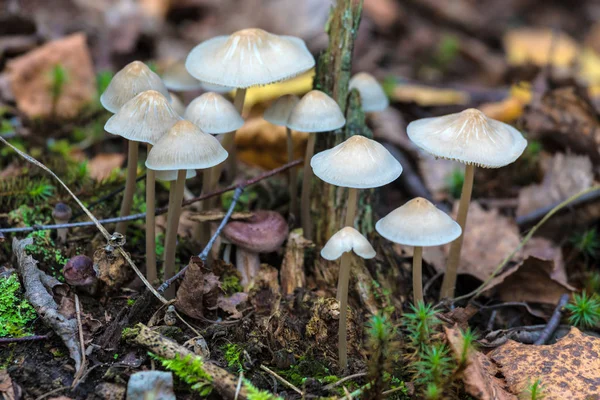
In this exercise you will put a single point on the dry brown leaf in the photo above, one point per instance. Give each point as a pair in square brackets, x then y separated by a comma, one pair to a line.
[230, 304]
[102, 165]
[6, 386]
[479, 376]
[568, 369]
[436, 173]
[383, 12]
[428, 96]
[544, 249]
[565, 175]
[112, 268]
[536, 46]
[190, 295]
[31, 78]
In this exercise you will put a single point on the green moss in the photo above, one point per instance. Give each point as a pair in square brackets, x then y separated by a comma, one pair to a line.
[233, 355]
[256, 394]
[307, 367]
[454, 183]
[190, 370]
[231, 284]
[15, 312]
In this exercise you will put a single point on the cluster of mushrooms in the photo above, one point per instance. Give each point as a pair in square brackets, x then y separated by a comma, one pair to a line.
[180, 141]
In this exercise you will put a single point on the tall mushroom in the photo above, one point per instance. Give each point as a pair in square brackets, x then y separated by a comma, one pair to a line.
[62, 213]
[278, 114]
[357, 163]
[247, 58]
[472, 138]
[420, 224]
[184, 147]
[145, 118]
[372, 95]
[265, 232]
[339, 245]
[315, 112]
[130, 81]
[176, 77]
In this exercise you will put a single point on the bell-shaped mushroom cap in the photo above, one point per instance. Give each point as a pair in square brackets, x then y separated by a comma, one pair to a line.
[347, 239]
[247, 58]
[185, 146]
[358, 162]
[177, 104]
[279, 111]
[263, 233]
[145, 118]
[372, 96]
[171, 175]
[132, 80]
[316, 112]
[214, 114]
[418, 223]
[176, 77]
[469, 137]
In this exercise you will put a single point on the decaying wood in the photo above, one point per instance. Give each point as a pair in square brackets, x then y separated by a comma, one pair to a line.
[38, 291]
[223, 382]
[292, 269]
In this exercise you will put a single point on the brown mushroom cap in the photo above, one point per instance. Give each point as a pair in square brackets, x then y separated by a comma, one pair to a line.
[79, 271]
[62, 212]
[263, 233]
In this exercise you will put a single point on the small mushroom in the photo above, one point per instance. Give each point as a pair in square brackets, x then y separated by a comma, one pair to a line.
[343, 242]
[177, 78]
[79, 271]
[265, 232]
[372, 95]
[472, 138]
[420, 224]
[62, 214]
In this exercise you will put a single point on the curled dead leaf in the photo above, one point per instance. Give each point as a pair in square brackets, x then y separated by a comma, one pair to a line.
[112, 268]
[198, 290]
[230, 304]
[101, 165]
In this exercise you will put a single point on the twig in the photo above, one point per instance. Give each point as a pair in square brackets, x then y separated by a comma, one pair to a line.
[553, 322]
[239, 385]
[282, 380]
[344, 379]
[536, 215]
[50, 393]
[160, 210]
[31, 338]
[81, 370]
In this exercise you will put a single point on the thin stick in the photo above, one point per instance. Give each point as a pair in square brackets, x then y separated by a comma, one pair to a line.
[351, 207]
[293, 179]
[79, 373]
[282, 380]
[343, 282]
[172, 225]
[306, 187]
[160, 210]
[132, 159]
[202, 229]
[31, 338]
[553, 322]
[239, 385]
[344, 379]
[417, 274]
[449, 282]
[151, 273]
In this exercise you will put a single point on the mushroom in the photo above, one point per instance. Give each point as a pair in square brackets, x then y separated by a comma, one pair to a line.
[472, 138]
[176, 77]
[372, 95]
[420, 224]
[339, 245]
[247, 58]
[177, 104]
[145, 118]
[184, 147]
[278, 114]
[265, 232]
[130, 81]
[79, 271]
[315, 112]
[62, 214]
[214, 114]
[357, 163]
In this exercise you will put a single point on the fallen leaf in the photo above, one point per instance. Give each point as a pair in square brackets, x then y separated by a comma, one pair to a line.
[479, 376]
[544, 249]
[102, 165]
[568, 369]
[565, 175]
[436, 174]
[427, 96]
[112, 268]
[262, 94]
[6, 386]
[31, 78]
[196, 288]
[384, 13]
[511, 108]
[230, 304]
[540, 47]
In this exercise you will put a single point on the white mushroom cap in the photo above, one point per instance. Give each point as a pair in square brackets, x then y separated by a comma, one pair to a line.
[214, 114]
[279, 111]
[130, 81]
[177, 77]
[177, 104]
[209, 87]
[372, 96]
[344, 240]
[145, 118]
[418, 223]
[469, 137]
[248, 58]
[171, 175]
[358, 162]
[316, 112]
[185, 146]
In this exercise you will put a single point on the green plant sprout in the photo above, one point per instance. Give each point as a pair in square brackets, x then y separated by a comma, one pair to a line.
[15, 312]
[382, 349]
[447, 51]
[256, 394]
[454, 182]
[18, 191]
[434, 366]
[58, 77]
[584, 310]
[420, 324]
[469, 337]
[233, 355]
[587, 242]
[534, 391]
[189, 370]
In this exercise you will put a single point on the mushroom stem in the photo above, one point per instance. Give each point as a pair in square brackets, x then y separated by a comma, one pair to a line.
[306, 187]
[202, 229]
[229, 139]
[151, 274]
[248, 264]
[417, 274]
[293, 175]
[351, 207]
[172, 225]
[61, 233]
[132, 159]
[343, 281]
[449, 282]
